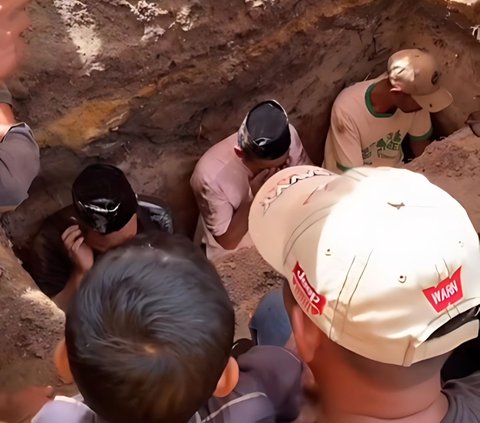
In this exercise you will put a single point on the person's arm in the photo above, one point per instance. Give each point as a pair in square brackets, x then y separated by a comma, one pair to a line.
[227, 225]
[420, 132]
[280, 373]
[238, 226]
[345, 141]
[82, 259]
[19, 163]
[63, 298]
[19, 154]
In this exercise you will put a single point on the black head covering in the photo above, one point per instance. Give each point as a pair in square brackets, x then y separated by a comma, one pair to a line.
[265, 132]
[103, 198]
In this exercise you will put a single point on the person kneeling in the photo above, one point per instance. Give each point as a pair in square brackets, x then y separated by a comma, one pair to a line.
[105, 214]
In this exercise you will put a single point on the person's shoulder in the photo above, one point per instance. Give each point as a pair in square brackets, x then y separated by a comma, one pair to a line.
[273, 368]
[215, 159]
[294, 135]
[467, 385]
[352, 95]
[268, 357]
[21, 131]
[240, 406]
[154, 213]
[63, 409]
[463, 399]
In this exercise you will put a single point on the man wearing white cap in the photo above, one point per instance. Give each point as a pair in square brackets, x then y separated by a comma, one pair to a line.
[383, 273]
[370, 119]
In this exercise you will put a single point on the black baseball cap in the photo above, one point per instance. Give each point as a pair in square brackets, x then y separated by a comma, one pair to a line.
[103, 198]
[265, 131]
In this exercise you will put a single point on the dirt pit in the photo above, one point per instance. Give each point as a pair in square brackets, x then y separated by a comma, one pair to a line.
[152, 95]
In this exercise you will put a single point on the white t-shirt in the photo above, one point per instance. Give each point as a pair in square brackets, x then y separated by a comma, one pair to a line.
[220, 183]
[359, 136]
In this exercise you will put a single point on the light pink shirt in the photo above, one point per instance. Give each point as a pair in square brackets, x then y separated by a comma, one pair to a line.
[220, 183]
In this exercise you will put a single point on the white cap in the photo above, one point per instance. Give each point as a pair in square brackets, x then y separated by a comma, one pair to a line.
[416, 72]
[379, 259]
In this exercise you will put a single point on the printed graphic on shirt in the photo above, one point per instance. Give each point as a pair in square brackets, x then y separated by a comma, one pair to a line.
[306, 296]
[387, 147]
[447, 292]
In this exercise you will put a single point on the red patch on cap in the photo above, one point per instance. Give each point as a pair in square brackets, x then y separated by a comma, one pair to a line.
[305, 294]
[447, 292]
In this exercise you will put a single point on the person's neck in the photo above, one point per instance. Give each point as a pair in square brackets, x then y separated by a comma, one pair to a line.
[363, 403]
[381, 97]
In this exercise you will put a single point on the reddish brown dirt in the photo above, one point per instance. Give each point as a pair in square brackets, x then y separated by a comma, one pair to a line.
[31, 327]
[247, 278]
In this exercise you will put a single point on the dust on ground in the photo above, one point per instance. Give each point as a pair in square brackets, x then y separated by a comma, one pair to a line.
[454, 165]
[247, 278]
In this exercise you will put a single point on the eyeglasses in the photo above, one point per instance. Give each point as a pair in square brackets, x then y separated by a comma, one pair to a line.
[473, 121]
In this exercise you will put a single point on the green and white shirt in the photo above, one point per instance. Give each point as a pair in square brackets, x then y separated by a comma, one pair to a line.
[359, 136]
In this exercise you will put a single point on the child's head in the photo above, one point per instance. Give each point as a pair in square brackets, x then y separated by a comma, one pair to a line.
[149, 334]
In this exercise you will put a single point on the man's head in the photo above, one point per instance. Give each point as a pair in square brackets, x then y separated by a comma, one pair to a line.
[264, 137]
[149, 334]
[106, 206]
[382, 266]
[414, 77]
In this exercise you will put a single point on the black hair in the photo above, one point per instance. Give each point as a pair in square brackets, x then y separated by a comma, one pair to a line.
[150, 332]
[265, 134]
[103, 198]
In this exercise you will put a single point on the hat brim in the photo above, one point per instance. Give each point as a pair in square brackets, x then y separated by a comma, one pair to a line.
[434, 102]
[278, 207]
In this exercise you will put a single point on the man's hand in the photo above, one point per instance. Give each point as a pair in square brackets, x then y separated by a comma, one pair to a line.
[80, 253]
[13, 21]
[258, 180]
[22, 406]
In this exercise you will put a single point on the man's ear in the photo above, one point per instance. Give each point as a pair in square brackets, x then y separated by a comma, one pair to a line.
[239, 152]
[228, 380]
[60, 358]
[396, 90]
[308, 337]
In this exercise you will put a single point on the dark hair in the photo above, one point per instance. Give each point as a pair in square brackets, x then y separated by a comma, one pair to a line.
[103, 198]
[150, 332]
[265, 134]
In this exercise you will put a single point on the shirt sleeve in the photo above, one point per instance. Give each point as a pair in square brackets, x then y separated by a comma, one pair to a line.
[216, 211]
[19, 164]
[421, 128]
[298, 155]
[345, 141]
[62, 410]
[279, 372]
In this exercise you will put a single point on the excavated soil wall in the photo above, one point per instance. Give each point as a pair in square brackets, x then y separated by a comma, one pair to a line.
[151, 85]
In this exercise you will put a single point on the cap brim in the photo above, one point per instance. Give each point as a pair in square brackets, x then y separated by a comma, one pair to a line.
[434, 102]
[277, 209]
